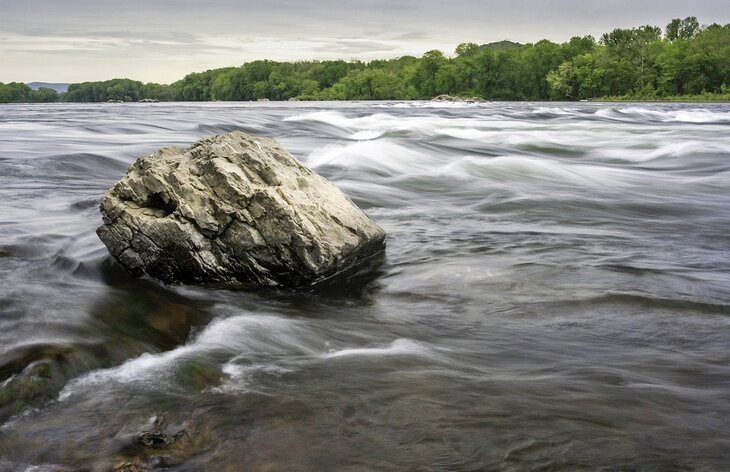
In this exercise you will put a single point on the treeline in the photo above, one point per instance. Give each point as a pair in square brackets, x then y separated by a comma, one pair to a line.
[645, 62]
[16, 92]
[687, 60]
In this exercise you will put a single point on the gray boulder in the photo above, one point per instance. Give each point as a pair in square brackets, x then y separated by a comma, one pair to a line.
[233, 209]
[447, 98]
[456, 98]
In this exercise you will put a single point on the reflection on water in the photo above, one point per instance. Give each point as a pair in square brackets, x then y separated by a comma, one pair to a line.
[554, 297]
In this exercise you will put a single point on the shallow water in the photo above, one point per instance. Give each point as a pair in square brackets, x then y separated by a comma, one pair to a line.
[555, 296]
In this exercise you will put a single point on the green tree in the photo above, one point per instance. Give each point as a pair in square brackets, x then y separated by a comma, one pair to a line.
[43, 95]
[221, 87]
[161, 92]
[537, 61]
[682, 29]
[15, 92]
[424, 77]
[467, 49]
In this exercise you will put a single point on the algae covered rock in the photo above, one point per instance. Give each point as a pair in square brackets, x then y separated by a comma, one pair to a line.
[233, 209]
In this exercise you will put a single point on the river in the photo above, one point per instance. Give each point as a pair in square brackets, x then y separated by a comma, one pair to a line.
[555, 296]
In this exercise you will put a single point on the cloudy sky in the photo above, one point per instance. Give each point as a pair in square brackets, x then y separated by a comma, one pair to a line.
[162, 40]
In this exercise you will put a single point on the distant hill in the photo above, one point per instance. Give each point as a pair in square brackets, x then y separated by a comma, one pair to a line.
[501, 45]
[60, 88]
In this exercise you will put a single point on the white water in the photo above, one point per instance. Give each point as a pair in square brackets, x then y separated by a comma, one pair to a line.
[554, 296]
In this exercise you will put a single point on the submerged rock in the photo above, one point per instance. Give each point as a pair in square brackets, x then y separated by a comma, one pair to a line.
[158, 444]
[36, 385]
[233, 209]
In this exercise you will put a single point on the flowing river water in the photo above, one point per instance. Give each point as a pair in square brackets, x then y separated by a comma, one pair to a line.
[555, 296]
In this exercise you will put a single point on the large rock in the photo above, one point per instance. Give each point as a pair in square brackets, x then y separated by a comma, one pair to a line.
[233, 209]
[456, 98]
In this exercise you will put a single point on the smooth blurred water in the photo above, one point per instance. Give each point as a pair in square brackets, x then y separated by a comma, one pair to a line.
[555, 295]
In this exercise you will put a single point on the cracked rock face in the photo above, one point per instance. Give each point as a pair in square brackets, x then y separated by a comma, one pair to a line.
[233, 209]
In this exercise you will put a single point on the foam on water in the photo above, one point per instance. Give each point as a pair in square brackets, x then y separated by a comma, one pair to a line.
[555, 111]
[341, 120]
[428, 104]
[240, 377]
[241, 338]
[385, 157]
[241, 372]
[399, 347]
[640, 114]
[368, 134]
[245, 335]
[380, 124]
[682, 150]
[510, 168]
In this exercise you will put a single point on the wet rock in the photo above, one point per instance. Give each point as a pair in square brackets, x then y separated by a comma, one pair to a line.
[198, 374]
[233, 209]
[85, 204]
[156, 437]
[147, 314]
[15, 360]
[36, 385]
[447, 98]
[158, 444]
[131, 466]
[4, 253]
[154, 434]
[456, 98]
[31, 375]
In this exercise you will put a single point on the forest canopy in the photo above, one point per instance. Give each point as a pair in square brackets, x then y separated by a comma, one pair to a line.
[646, 62]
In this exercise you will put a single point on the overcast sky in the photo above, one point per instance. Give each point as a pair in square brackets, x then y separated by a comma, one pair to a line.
[162, 40]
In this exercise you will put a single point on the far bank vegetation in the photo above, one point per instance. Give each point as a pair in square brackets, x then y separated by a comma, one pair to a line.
[685, 60]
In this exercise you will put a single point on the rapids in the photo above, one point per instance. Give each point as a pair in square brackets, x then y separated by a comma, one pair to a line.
[555, 295]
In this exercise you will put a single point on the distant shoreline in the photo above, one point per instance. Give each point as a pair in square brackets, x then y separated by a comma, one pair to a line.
[678, 99]
[684, 62]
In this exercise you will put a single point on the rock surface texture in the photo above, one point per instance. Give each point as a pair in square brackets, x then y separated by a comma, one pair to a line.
[233, 209]
[456, 98]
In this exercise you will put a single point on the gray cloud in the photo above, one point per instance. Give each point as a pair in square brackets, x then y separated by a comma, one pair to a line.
[162, 40]
[413, 35]
[354, 46]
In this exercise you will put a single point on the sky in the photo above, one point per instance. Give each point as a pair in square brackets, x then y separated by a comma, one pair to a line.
[163, 40]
